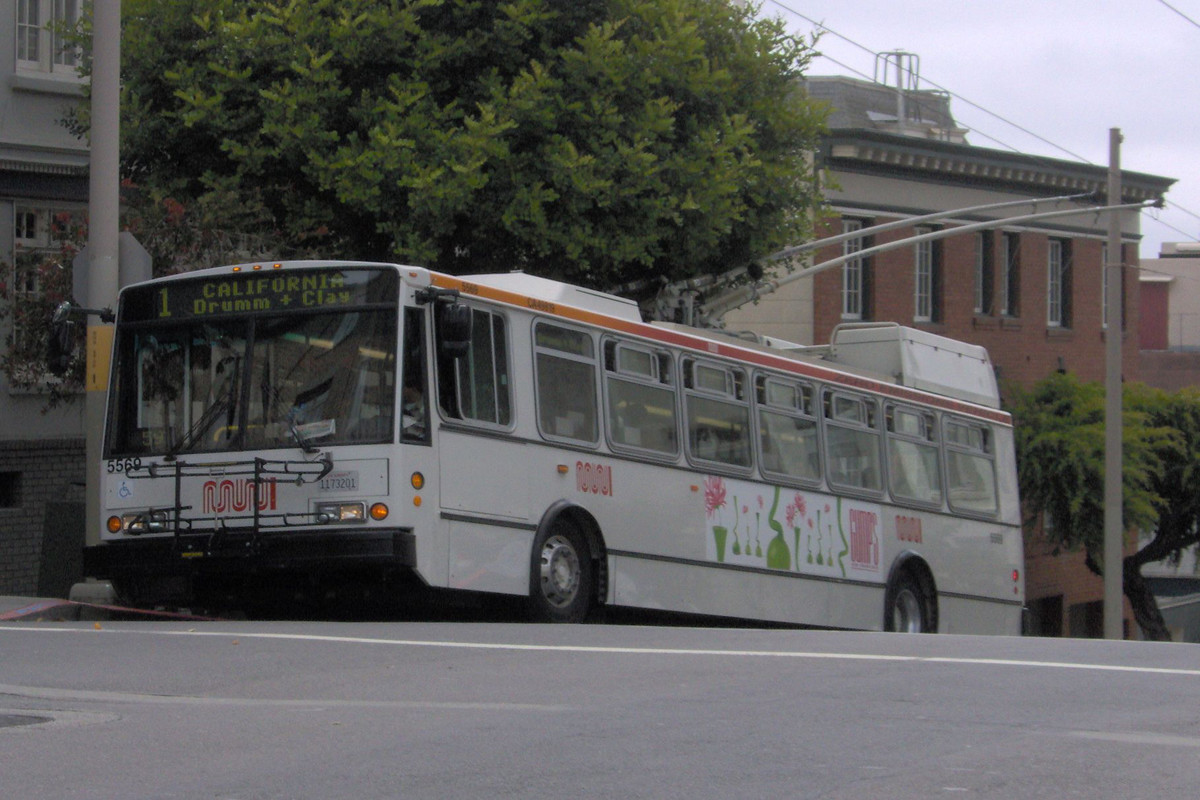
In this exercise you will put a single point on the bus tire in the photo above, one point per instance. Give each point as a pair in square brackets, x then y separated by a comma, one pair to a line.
[907, 605]
[562, 580]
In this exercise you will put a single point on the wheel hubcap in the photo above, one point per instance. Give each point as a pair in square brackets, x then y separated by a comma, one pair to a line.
[906, 612]
[561, 571]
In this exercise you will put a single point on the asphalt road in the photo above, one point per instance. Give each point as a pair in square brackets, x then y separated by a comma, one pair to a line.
[255, 710]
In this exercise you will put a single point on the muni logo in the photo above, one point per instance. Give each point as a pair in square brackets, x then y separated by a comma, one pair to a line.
[237, 495]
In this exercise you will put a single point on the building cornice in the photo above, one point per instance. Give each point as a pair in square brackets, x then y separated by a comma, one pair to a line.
[43, 167]
[863, 150]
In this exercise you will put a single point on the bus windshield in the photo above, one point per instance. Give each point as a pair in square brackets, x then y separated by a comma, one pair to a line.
[218, 383]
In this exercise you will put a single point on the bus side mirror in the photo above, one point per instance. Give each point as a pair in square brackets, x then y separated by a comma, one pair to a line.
[454, 329]
[60, 345]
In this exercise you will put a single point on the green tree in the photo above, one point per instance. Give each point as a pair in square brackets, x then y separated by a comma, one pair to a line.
[1175, 484]
[596, 141]
[1060, 442]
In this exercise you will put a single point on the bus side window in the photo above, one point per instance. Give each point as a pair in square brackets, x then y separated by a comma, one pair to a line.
[970, 468]
[787, 429]
[718, 413]
[476, 387]
[565, 363]
[852, 441]
[414, 414]
[639, 395]
[914, 473]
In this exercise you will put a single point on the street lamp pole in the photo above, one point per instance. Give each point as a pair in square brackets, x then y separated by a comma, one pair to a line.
[103, 236]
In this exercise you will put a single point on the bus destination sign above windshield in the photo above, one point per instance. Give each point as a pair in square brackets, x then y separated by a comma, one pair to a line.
[308, 290]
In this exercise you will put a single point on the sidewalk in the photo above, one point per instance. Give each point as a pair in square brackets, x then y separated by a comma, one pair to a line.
[46, 609]
[37, 609]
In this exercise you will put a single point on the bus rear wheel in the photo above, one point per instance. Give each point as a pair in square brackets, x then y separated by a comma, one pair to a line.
[562, 580]
[908, 609]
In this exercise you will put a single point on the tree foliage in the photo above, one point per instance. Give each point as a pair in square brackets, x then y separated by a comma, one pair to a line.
[1176, 483]
[1060, 442]
[30, 290]
[596, 141]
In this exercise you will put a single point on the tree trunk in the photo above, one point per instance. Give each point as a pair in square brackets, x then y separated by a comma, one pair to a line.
[1145, 607]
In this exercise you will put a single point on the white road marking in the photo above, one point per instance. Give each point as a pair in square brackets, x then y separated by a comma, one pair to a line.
[1139, 737]
[656, 651]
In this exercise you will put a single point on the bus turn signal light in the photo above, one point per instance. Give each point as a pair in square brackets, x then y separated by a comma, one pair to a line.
[379, 511]
[418, 481]
[114, 524]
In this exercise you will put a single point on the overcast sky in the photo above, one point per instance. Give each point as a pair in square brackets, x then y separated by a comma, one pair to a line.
[1047, 77]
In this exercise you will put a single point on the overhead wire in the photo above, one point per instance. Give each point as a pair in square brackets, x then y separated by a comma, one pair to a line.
[1180, 13]
[821, 28]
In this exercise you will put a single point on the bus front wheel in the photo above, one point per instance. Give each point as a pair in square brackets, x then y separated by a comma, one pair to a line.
[562, 578]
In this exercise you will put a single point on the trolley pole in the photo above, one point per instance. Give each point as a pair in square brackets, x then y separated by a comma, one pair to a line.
[1114, 535]
[103, 237]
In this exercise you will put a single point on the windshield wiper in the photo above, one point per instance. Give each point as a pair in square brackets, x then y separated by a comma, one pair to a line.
[201, 425]
[225, 402]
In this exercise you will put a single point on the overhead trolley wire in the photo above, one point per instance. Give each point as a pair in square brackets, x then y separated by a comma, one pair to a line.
[821, 28]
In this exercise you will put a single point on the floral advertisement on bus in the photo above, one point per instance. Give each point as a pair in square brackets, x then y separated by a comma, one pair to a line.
[752, 525]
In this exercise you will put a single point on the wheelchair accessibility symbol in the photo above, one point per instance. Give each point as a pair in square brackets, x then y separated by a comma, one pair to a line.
[124, 492]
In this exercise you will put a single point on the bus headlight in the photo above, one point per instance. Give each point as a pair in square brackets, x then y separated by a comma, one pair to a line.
[139, 523]
[341, 512]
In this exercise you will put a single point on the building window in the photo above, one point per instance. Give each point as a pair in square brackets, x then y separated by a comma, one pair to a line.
[1010, 277]
[38, 236]
[1058, 282]
[983, 272]
[854, 277]
[41, 46]
[10, 489]
[31, 227]
[927, 306]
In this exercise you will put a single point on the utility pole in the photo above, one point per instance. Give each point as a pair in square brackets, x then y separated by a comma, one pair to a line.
[1114, 535]
[103, 232]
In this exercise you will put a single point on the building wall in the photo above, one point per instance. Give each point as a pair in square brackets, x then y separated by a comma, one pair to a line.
[1154, 311]
[785, 314]
[43, 167]
[1181, 272]
[1171, 331]
[38, 477]
[1170, 370]
[1024, 348]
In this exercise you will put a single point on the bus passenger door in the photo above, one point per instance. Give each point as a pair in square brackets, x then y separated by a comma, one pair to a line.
[416, 467]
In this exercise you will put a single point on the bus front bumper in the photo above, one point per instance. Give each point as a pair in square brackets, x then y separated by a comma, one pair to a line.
[231, 554]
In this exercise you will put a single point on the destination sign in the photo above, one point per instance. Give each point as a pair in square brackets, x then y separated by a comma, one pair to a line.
[258, 293]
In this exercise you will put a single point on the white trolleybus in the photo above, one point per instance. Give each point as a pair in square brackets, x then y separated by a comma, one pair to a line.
[510, 434]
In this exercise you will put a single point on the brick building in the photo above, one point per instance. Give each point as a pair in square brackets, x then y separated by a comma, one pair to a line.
[1169, 327]
[1030, 291]
[1169, 323]
[43, 173]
